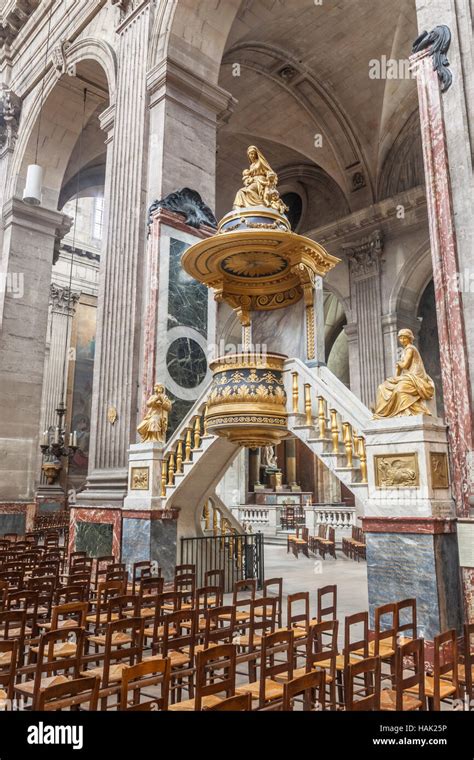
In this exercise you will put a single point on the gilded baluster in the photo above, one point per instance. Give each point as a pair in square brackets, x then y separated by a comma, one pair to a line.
[322, 416]
[214, 520]
[164, 470]
[363, 458]
[171, 469]
[239, 540]
[334, 431]
[179, 456]
[347, 437]
[204, 421]
[295, 392]
[206, 515]
[188, 445]
[307, 404]
[197, 432]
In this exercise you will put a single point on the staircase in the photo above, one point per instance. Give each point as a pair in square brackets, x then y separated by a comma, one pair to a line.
[322, 412]
[330, 420]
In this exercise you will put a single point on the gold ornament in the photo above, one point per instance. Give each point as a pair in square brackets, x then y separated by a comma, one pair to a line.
[154, 425]
[396, 471]
[112, 415]
[405, 394]
[139, 477]
[260, 184]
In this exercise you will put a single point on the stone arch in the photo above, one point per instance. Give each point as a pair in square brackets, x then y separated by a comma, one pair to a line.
[49, 101]
[403, 165]
[193, 34]
[411, 282]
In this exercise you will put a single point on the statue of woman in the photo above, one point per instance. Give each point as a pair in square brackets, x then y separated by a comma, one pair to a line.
[405, 394]
[259, 184]
[155, 423]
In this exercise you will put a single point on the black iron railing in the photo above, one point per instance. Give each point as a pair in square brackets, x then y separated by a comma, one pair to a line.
[239, 556]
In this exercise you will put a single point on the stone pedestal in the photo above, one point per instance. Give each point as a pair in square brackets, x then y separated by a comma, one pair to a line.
[410, 523]
[144, 476]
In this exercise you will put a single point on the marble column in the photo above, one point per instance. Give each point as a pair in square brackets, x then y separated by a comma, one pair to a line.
[449, 303]
[116, 368]
[365, 279]
[254, 468]
[446, 108]
[290, 457]
[29, 238]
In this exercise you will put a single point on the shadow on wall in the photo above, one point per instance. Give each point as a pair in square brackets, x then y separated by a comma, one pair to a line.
[428, 342]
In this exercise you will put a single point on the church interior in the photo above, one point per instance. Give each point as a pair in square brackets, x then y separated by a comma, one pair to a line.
[236, 355]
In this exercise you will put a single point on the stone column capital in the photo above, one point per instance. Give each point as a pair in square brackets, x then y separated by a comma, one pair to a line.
[364, 255]
[40, 219]
[63, 300]
[169, 79]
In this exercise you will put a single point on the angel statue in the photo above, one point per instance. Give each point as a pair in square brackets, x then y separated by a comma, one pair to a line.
[154, 425]
[260, 184]
[405, 394]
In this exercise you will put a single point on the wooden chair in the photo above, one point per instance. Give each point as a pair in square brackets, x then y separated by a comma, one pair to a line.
[101, 565]
[297, 615]
[384, 643]
[65, 616]
[238, 703]
[466, 666]
[220, 626]
[50, 670]
[165, 604]
[186, 569]
[399, 698]
[185, 585]
[443, 684]
[287, 519]
[300, 543]
[267, 689]
[327, 603]
[313, 541]
[105, 590]
[12, 628]
[406, 621]
[321, 653]
[251, 632]
[178, 643]
[118, 608]
[123, 646]
[140, 571]
[70, 695]
[143, 675]
[328, 545]
[273, 587]
[306, 686]
[370, 699]
[215, 578]
[215, 675]
[242, 597]
[8, 663]
[150, 589]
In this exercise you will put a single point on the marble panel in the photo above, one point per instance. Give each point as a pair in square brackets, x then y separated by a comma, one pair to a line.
[281, 330]
[187, 298]
[400, 566]
[12, 523]
[164, 545]
[94, 538]
[135, 540]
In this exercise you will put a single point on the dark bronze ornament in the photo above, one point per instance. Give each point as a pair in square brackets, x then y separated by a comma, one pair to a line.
[438, 40]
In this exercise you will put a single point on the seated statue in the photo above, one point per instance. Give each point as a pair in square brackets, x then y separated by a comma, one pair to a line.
[260, 184]
[155, 423]
[405, 394]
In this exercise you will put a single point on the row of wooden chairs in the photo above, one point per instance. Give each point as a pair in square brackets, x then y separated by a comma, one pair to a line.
[323, 543]
[355, 546]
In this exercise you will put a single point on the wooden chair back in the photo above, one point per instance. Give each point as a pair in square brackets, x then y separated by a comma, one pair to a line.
[327, 603]
[70, 614]
[143, 675]
[351, 643]
[274, 587]
[277, 657]
[298, 610]
[445, 665]
[406, 619]
[69, 695]
[8, 663]
[220, 660]
[219, 629]
[413, 678]
[306, 686]
[385, 627]
[469, 659]
[369, 668]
